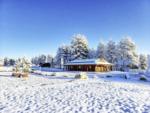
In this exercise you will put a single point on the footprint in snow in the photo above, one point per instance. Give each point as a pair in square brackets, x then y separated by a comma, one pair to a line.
[43, 84]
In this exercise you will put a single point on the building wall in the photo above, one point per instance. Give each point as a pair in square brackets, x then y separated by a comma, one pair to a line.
[103, 68]
[97, 68]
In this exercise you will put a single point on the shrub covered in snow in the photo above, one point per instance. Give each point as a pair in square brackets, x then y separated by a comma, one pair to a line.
[32, 70]
[127, 76]
[108, 76]
[143, 77]
[82, 75]
[53, 74]
[16, 74]
[22, 68]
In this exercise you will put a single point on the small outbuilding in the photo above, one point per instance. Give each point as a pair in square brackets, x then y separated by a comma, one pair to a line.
[45, 65]
[97, 65]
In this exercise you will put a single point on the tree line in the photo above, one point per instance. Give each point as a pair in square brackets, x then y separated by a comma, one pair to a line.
[123, 54]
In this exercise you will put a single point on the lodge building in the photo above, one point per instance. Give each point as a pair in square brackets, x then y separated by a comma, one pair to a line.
[98, 65]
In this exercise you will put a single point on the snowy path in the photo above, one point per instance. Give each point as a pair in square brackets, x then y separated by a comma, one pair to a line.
[46, 95]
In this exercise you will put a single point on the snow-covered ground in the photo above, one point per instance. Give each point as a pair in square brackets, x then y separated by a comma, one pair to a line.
[63, 94]
[6, 68]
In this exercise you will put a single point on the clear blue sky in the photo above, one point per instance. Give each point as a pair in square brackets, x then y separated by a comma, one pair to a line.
[33, 27]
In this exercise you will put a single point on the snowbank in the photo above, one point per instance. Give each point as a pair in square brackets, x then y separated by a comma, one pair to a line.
[46, 69]
[6, 69]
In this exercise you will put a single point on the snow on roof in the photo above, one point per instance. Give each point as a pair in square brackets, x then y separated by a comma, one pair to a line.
[88, 61]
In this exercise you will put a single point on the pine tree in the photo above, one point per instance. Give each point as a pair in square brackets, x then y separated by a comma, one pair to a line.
[101, 50]
[63, 53]
[49, 59]
[12, 62]
[35, 61]
[42, 59]
[111, 52]
[6, 61]
[58, 57]
[143, 62]
[92, 54]
[79, 47]
[127, 56]
[148, 62]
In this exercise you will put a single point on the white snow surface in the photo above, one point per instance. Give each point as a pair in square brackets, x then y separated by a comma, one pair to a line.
[59, 94]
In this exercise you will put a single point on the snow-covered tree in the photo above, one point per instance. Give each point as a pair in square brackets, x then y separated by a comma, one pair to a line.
[148, 62]
[57, 59]
[6, 61]
[63, 53]
[11, 62]
[143, 62]
[22, 65]
[127, 56]
[1, 62]
[79, 46]
[66, 53]
[42, 59]
[111, 52]
[18, 65]
[92, 53]
[35, 61]
[49, 59]
[25, 65]
[100, 53]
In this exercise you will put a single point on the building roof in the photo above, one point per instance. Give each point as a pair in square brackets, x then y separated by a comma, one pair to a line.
[88, 61]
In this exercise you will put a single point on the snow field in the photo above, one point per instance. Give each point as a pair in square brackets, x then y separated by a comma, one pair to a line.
[50, 94]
